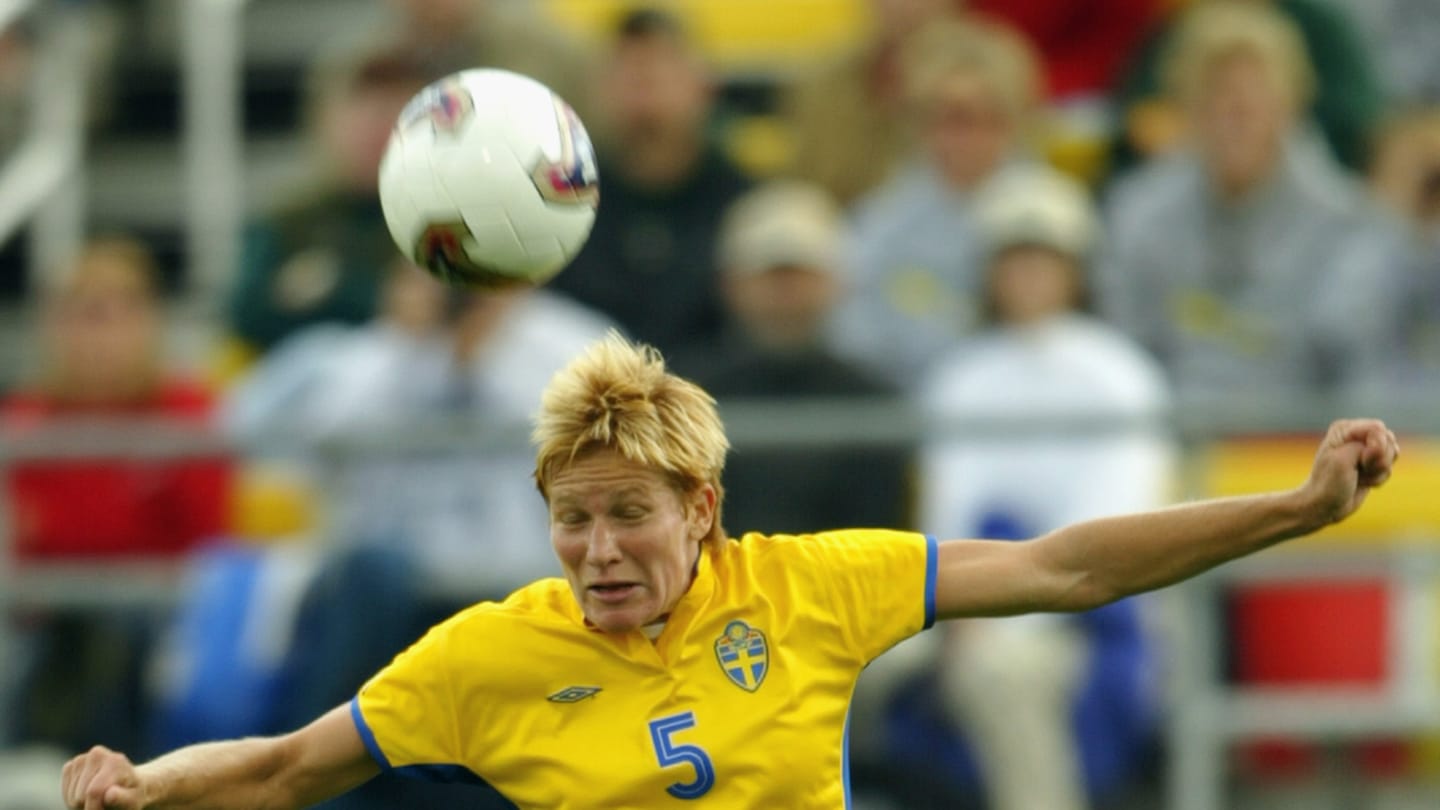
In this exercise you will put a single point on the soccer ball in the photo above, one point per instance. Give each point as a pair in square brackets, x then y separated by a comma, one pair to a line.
[489, 180]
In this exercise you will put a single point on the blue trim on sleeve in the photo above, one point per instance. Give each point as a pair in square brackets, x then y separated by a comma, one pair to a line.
[845, 759]
[445, 774]
[366, 735]
[932, 563]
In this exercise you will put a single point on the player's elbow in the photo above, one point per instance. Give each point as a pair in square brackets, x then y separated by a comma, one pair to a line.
[1071, 587]
[1082, 592]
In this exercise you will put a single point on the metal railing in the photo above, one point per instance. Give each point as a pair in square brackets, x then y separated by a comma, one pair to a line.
[214, 140]
[43, 182]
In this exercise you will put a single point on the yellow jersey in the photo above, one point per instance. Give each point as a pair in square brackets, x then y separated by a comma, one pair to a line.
[740, 702]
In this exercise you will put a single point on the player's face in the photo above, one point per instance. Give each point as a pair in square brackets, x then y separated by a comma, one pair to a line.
[627, 538]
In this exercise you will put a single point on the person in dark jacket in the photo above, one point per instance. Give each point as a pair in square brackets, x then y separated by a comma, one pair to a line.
[780, 277]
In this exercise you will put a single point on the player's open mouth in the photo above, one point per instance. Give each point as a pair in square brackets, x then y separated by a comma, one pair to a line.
[613, 591]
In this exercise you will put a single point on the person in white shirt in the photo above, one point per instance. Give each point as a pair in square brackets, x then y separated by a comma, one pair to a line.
[1012, 687]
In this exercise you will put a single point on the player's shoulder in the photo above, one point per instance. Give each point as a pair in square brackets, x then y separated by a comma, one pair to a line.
[795, 570]
[769, 552]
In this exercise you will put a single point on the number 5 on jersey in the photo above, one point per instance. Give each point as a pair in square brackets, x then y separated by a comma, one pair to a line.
[669, 753]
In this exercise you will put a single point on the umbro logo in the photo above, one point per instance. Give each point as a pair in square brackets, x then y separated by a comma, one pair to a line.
[573, 694]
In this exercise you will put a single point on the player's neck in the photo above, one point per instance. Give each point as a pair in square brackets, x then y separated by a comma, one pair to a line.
[653, 629]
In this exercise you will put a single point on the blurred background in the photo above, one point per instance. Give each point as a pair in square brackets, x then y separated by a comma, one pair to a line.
[974, 267]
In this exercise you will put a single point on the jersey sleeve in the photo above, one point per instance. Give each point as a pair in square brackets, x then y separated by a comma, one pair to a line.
[879, 585]
[406, 713]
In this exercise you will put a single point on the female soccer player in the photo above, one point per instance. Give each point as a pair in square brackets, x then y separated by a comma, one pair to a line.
[673, 664]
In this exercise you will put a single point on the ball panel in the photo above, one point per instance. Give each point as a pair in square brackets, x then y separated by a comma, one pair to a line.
[545, 255]
[494, 242]
[570, 177]
[395, 200]
[441, 248]
[529, 128]
[567, 226]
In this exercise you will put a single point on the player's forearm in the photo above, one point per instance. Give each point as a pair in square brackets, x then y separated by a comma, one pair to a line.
[1111, 558]
[240, 774]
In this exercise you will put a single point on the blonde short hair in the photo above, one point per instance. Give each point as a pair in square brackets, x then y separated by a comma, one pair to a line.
[618, 396]
[995, 53]
[1221, 29]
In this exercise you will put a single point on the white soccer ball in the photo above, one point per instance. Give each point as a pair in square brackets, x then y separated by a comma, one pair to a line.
[489, 180]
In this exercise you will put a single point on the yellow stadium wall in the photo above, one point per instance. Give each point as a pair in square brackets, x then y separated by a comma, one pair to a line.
[739, 35]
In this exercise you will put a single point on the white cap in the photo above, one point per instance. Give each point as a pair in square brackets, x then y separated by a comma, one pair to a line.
[1041, 208]
[783, 223]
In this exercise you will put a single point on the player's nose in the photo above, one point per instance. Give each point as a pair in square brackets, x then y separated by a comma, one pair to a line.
[602, 547]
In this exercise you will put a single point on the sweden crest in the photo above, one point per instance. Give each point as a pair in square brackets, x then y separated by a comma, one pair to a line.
[743, 655]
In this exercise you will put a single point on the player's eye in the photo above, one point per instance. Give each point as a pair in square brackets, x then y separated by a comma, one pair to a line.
[632, 513]
[570, 519]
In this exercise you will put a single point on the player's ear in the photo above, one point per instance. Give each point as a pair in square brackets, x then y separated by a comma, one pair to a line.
[700, 510]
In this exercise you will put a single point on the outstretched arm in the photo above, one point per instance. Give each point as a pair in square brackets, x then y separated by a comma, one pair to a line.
[324, 759]
[1092, 563]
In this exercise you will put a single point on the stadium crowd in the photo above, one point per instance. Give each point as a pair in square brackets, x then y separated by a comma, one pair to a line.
[1038, 208]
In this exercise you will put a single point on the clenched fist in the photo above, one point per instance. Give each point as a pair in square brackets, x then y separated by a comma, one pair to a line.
[1355, 456]
[101, 779]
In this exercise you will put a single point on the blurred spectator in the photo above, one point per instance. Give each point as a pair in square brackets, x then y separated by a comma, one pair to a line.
[103, 330]
[781, 275]
[1248, 262]
[972, 89]
[102, 369]
[649, 262]
[1405, 177]
[848, 115]
[1345, 100]
[322, 256]
[1402, 35]
[454, 34]
[1083, 44]
[1038, 711]
[1405, 172]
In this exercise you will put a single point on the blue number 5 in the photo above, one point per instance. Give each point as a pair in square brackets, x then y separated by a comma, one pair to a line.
[668, 753]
